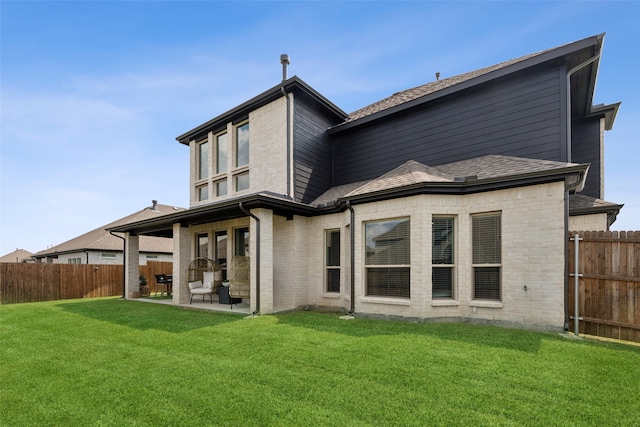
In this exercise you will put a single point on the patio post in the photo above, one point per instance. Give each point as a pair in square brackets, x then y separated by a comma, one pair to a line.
[181, 259]
[132, 266]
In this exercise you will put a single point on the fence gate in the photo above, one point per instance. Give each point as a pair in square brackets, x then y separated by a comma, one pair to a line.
[609, 284]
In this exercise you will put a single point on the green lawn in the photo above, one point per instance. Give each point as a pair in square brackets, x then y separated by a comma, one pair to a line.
[113, 362]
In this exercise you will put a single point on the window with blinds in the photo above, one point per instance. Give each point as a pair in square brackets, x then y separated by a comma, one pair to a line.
[388, 258]
[487, 256]
[332, 260]
[442, 257]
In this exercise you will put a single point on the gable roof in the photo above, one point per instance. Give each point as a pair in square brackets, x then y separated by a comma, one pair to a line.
[293, 84]
[101, 240]
[411, 97]
[19, 255]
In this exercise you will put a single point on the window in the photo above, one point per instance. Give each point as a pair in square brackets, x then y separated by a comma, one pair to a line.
[242, 145]
[241, 238]
[203, 160]
[222, 142]
[388, 258]
[203, 192]
[442, 257]
[332, 260]
[221, 251]
[242, 181]
[202, 250]
[107, 255]
[221, 188]
[487, 256]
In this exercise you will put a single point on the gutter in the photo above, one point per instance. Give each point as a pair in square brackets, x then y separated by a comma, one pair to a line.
[242, 208]
[124, 264]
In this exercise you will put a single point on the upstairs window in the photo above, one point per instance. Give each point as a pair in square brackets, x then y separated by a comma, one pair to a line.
[203, 160]
[222, 143]
[487, 256]
[242, 145]
[202, 193]
[388, 258]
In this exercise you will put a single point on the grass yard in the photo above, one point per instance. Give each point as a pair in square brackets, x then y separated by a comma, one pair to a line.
[127, 363]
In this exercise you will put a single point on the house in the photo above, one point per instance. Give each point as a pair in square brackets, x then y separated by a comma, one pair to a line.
[101, 247]
[19, 256]
[450, 200]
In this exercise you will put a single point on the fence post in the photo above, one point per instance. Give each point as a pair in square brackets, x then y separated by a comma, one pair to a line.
[576, 283]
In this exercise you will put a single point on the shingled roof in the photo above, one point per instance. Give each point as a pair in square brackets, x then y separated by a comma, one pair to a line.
[480, 169]
[445, 85]
[101, 240]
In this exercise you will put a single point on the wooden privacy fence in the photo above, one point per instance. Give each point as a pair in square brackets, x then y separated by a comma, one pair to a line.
[608, 282]
[47, 282]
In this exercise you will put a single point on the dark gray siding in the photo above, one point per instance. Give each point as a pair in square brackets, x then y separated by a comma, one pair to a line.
[517, 116]
[586, 148]
[312, 152]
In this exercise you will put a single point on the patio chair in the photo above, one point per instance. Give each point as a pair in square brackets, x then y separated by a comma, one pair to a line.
[239, 280]
[205, 277]
[162, 285]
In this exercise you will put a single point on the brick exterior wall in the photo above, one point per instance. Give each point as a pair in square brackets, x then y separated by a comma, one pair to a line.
[267, 155]
[595, 222]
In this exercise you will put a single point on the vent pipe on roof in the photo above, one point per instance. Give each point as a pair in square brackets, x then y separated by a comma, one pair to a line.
[438, 75]
[154, 205]
[284, 60]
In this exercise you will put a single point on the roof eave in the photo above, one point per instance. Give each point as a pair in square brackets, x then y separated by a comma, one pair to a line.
[242, 110]
[473, 186]
[595, 41]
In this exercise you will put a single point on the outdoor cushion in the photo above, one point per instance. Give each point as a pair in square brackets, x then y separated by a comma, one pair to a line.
[195, 285]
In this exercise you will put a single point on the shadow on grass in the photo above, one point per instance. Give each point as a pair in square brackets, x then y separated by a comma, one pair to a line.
[482, 335]
[136, 315]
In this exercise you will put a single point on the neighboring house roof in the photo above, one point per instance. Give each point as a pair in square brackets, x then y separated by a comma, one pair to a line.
[101, 240]
[19, 255]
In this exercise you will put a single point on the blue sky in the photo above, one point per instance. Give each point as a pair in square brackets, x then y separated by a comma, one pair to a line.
[94, 93]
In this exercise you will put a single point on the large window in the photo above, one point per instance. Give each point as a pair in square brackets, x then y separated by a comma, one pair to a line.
[203, 160]
[241, 241]
[388, 258]
[221, 251]
[222, 143]
[332, 260]
[442, 257]
[242, 145]
[487, 256]
[202, 250]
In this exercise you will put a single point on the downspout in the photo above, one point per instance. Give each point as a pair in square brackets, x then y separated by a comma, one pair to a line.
[87, 253]
[566, 193]
[124, 263]
[352, 255]
[242, 208]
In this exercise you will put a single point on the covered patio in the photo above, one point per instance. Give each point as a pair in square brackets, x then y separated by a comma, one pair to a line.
[243, 308]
